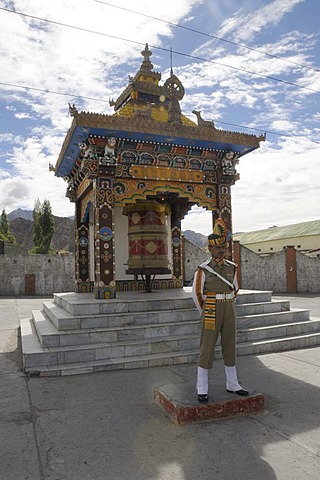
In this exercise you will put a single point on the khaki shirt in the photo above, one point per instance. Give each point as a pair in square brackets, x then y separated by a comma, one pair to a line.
[213, 283]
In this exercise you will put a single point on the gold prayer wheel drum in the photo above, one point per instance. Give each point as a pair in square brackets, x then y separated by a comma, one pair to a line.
[147, 235]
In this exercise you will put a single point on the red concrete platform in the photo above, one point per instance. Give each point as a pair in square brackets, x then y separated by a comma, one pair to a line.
[180, 402]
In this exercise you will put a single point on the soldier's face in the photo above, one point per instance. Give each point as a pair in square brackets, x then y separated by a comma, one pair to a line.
[217, 251]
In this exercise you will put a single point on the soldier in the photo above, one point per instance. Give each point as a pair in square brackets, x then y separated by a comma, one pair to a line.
[214, 290]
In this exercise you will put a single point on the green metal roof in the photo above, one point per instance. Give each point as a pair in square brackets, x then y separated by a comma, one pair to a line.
[278, 233]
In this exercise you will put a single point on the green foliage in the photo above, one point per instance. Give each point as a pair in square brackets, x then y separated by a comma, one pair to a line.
[5, 233]
[43, 227]
[36, 214]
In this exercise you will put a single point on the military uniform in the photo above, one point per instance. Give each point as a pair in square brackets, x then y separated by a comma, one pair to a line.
[214, 290]
[215, 300]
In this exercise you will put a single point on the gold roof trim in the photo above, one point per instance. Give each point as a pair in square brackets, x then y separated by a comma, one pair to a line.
[152, 126]
[149, 125]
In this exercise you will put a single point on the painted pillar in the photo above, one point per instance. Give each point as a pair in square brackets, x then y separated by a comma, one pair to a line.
[81, 253]
[177, 256]
[104, 275]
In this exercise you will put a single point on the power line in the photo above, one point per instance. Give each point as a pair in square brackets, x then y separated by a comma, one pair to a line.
[60, 24]
[270, 132]
[242, 70]
[214, 37]
[155, 47]
[164, 49]
[52, 92]
[31, 198]
[261, 130]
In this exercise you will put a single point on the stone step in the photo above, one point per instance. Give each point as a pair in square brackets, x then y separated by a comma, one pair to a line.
[279, 344]
[65, 321]
[77, 334]
[31, 345]
[36, 355]
[294, 315]
[141, 302]
[70, 353]
[49, 336]
[253, 296]
[87, 305]
[278, 331]
[263, 307]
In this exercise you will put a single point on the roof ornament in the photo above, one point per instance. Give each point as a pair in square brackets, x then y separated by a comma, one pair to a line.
[174, 90]
[73, 111]
[201, 121]
[146, 65]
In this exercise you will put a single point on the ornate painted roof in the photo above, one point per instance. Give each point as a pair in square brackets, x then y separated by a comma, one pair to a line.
[149, 112]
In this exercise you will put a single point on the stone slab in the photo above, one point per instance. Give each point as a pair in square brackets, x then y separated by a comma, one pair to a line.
[180, 402]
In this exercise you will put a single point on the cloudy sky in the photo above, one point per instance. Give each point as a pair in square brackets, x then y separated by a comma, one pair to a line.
[249, 65]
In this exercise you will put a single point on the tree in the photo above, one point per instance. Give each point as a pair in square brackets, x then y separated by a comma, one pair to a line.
[36, 214]
[47, 225]
[43, 226]
[5, 233]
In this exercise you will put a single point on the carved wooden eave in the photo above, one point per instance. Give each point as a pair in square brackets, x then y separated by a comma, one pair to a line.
[149, 126]
[66, 142]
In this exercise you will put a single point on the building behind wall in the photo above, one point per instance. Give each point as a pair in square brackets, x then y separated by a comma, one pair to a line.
[304, 237]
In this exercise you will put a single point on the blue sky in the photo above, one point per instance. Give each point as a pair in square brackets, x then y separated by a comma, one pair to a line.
[263, 75]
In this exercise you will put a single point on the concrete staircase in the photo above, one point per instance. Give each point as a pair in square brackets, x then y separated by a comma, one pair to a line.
[76, 334]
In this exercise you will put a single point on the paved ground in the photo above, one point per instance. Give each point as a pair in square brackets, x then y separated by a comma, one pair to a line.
[105, 426]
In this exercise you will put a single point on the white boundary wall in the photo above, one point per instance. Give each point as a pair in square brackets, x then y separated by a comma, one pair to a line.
[55, 273]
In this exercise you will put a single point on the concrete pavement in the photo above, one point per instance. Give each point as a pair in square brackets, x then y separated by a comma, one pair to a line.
[107, 426]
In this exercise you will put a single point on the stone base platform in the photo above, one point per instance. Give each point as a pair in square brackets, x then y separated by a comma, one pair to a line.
[180, 402]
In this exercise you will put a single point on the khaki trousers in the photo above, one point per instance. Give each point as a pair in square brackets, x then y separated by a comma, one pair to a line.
[226, 326]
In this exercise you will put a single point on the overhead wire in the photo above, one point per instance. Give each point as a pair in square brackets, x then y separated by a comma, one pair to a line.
[209, 35]
[52, 92]
[271, 132]
[154, 47]
[31, 198]
[261, 130]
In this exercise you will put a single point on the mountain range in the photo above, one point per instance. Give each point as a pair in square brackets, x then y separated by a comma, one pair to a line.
[21, 226]
[19, 213]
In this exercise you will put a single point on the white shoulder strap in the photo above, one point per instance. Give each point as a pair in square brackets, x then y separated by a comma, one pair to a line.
[229, 262]
[207, 267]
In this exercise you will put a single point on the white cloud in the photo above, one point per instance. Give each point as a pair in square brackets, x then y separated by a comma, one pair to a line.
[56, 58]
[277, 181]
[199, 220]
[245, 27]
[22, 115]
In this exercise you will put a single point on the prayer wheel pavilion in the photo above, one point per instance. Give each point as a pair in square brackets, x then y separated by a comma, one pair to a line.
[134, 175]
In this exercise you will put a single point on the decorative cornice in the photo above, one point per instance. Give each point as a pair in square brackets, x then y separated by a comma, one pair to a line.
[149, 125]
[66, 142]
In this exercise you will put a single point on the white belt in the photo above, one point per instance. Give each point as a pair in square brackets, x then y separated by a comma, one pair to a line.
[224, 296]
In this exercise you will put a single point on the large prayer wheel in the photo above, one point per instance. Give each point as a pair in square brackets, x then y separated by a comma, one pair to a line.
[148, 237]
